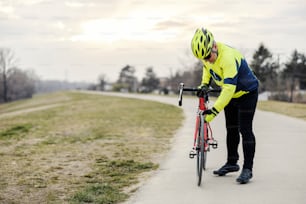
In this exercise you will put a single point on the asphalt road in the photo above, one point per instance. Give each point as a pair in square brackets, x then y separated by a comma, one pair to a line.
[279, 174]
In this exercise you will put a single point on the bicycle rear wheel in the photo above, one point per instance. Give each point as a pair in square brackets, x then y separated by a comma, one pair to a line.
[201, 156]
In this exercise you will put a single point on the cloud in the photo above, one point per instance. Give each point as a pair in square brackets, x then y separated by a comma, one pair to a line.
[74, 4]
[102, 36]
[169, 24]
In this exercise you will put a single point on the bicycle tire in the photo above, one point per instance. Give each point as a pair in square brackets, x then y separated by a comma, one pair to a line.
[205, 143]
[200, 151]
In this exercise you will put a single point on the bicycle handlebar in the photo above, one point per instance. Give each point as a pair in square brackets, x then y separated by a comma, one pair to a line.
[182, 89]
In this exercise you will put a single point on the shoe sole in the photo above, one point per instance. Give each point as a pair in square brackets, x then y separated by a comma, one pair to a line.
[219, 174]
[243, 181]
[224, 173]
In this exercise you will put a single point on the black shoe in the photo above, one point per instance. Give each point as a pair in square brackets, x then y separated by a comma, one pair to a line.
[227, 168]
[245, 176]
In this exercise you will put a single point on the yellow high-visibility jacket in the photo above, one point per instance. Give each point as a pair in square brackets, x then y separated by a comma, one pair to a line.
[231, 72]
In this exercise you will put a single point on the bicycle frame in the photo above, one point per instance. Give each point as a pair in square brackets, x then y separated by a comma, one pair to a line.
[202, 107]
[207, 135]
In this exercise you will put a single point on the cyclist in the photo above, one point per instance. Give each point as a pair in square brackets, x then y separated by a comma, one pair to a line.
[229, 69]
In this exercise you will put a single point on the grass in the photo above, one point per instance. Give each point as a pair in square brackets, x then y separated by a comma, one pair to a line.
[69, 147]
[86, 149]
[296, 110]
[113, 176]
[99, 193]
[15, 131]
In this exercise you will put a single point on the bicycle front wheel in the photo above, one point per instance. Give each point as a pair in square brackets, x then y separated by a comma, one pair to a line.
[205, 143]
[201, 155]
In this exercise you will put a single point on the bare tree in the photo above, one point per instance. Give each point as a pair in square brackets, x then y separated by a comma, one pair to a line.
[21, 84]
[14, 83]
[7, 61]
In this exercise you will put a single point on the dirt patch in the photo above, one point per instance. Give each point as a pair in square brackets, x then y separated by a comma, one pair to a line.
[28, 110]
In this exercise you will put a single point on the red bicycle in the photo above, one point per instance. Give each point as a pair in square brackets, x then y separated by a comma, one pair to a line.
[203, 137]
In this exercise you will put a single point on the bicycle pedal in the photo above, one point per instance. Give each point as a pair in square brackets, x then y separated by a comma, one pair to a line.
[214, 144]
[192, 154]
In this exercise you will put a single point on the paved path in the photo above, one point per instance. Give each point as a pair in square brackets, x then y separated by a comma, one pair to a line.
[279, 166]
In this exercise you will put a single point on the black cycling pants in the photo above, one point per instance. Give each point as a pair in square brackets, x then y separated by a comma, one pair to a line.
[239, 114]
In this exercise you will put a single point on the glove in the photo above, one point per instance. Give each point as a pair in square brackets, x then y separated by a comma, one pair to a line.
[210, 114]
[202, 89]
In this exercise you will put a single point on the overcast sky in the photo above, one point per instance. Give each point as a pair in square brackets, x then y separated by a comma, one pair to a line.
[78, 40]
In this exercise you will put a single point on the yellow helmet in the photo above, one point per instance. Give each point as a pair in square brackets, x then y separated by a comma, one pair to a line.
[202, 43]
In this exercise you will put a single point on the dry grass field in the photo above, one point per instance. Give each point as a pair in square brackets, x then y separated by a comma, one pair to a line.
[71, 147]
[296, 110]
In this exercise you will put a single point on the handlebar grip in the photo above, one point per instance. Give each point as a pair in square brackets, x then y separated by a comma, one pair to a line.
[180, 99]
[180, 103]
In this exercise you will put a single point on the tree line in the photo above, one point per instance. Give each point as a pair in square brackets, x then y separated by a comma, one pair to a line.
[283, 81]
[16, 84]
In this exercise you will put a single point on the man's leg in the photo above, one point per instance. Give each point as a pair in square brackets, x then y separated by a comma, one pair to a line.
[246, 112]
[232, 140]
[232, 128]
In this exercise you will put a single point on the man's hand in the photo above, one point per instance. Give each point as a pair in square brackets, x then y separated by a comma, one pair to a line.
[202, 89]
[210, 114]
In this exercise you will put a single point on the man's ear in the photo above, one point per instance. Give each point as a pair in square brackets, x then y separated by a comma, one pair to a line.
[214, 48]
